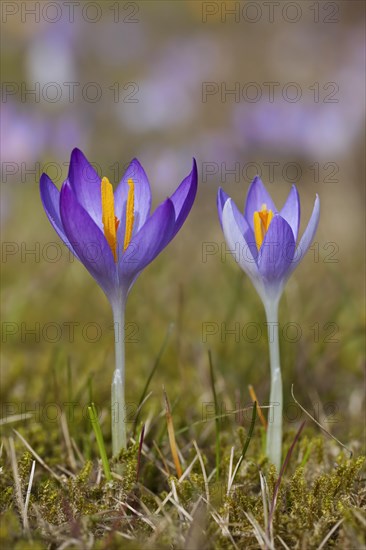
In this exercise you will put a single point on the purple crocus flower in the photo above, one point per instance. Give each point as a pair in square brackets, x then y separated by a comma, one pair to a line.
[115, 236]
[263, 241]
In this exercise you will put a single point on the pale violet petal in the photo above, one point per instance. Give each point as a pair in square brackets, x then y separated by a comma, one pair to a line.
[308, 235]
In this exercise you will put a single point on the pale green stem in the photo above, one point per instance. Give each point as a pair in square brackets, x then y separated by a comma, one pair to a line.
[274, 431]
[118, 383]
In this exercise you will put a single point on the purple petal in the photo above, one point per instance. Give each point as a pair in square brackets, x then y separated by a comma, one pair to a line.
[86, 185]
[308, 235]
[291, 211]
[50, 197]
[88, 240]
[183, 198]
[222, 197]
[148, 242]
[246, 230]
[256, 197]
[234, 235]
[277, 251]
[142, 198]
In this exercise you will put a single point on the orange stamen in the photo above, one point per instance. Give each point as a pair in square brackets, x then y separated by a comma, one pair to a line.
[130, 213]
[261, 220]
[109, 220]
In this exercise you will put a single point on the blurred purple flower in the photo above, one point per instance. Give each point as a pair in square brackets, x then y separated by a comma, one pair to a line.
[315, 130]
[23, 133]
[50, 56]
[328, 117]
[167, 92]
[66, 129]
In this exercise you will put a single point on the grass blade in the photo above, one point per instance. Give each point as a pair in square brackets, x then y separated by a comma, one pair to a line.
[139, 453]
[29, 490]
[250, 432]
[217, 417]
[100, 441]
[259, 410]
[171, 435]
[17, 483]
[327, 537]
[246, 443]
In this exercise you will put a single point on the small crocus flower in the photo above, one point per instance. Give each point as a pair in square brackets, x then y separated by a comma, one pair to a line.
[115, 236]
[263, 241]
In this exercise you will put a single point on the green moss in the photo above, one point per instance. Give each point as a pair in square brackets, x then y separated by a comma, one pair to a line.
[80, 492]
[126, 463]
[24, 467]
[50, 497]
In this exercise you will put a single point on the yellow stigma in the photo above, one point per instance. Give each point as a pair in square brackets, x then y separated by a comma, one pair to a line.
[262, 219]
[110, 222]
[130, 213]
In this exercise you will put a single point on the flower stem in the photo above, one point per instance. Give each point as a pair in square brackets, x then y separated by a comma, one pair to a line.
[118, 383]
[274, 431]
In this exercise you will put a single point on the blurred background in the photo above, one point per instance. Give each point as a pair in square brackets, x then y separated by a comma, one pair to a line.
[275, 88]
